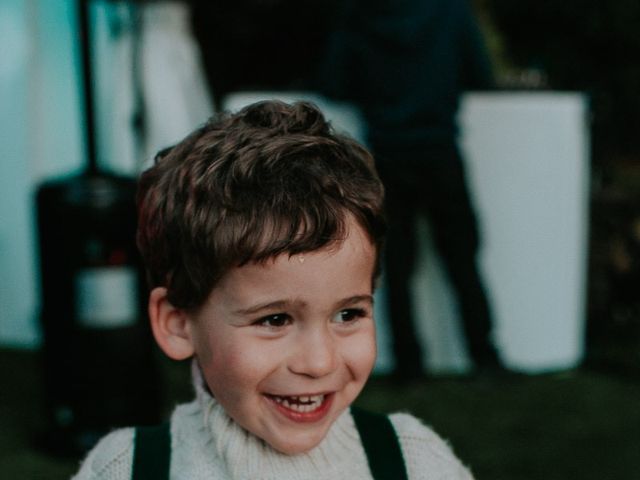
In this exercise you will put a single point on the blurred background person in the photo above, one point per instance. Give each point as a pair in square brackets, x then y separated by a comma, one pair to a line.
[405, 64]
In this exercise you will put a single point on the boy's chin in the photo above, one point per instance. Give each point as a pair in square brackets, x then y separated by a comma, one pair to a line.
[298, 442]
[296, 447]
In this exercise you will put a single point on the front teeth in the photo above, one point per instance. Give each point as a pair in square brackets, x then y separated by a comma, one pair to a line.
[302, 404]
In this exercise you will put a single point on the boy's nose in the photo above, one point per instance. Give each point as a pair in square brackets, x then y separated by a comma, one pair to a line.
[316, 354]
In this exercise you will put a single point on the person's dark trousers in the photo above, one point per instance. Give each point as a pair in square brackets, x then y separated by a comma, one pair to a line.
[432, 182]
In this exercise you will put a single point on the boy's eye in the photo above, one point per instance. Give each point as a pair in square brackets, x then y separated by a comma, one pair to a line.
[274, 321]
[350, 315]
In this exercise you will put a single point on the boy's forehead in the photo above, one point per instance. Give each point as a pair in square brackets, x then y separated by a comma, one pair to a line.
[353, 244]
[355, 241]
[344, 268]
[355, 248]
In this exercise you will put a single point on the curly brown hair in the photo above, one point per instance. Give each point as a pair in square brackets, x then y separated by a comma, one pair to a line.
[273, 178]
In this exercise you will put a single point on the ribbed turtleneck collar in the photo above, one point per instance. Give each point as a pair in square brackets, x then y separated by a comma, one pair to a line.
[247, 456]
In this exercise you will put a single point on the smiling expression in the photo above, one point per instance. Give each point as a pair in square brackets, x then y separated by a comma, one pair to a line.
[287, 345]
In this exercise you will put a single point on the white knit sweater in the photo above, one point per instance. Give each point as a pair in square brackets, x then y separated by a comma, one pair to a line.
[206, 444]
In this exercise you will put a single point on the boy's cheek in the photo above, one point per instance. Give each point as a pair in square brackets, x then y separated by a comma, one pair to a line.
[361, 354]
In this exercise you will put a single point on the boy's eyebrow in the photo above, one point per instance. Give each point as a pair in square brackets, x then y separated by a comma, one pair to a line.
[283, 304]
[262, 306]
[356, 299]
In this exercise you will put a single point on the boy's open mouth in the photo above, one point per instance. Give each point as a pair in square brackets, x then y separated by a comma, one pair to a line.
[301, 404]
[302, 407]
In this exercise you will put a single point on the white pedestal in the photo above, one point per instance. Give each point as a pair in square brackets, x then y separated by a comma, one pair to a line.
[528, 158]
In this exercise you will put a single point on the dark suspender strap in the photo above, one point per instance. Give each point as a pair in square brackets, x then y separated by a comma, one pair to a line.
[152, 453]
[381, 445]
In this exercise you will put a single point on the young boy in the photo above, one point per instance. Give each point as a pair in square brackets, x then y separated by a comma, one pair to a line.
[261, 232]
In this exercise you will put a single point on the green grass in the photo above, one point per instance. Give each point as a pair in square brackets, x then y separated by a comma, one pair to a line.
[578, 425]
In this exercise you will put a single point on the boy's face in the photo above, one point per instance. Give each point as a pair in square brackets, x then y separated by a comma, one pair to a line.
[287, 345]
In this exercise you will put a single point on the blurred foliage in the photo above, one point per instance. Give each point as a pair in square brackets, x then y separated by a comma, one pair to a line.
[586, 45]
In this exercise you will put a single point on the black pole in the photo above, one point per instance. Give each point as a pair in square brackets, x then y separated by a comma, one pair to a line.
[87, 83]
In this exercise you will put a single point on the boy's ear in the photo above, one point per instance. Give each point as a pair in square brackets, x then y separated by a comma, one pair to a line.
[170, 326]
